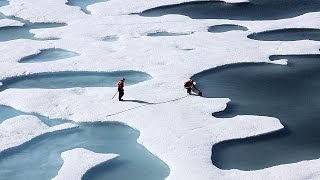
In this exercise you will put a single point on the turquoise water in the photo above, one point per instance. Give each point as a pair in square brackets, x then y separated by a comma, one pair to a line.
[59, 80]
[166, 34]
[289, 93]
[291, 34]
[83, 4]
[40, 158]
[7, 112]
[2, 16]
[3, 3]
[22, 32]
[253, 10]
[226, 27]
[49, 55]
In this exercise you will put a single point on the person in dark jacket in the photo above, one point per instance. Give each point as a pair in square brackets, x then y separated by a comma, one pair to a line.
[188, 85]
[121, 88]
[191, 84]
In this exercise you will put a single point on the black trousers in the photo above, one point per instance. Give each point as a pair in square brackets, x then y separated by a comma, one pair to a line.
[121, 93]
[189, 90]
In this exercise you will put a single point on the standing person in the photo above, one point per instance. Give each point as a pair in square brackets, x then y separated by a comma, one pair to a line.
[120, 88]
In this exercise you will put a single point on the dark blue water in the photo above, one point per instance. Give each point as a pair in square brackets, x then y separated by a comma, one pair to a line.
[46, 55]
[59, 80]
[292, 34]
[289, 93]
[83, 4]
[23, 32]
[225, 28]
[253, 10]
[40, 158]
[155, 34]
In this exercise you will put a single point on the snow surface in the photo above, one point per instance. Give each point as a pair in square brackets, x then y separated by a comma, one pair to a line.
[9, 22]
[18, 130]
[84, 160]
[179, 132]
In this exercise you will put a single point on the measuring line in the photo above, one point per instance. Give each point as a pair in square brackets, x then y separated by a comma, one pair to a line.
[163, 102]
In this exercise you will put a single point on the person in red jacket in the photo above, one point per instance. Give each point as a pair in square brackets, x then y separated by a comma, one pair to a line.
[191, 84]
[188, 85]
[120, 88]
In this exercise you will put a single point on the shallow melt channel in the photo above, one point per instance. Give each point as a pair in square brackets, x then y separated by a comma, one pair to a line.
[164, 33]
[70, 79]
[225, 28]
[40, 159]
[2, 16]
[253, 10]
[7, 112]
[289, 93]
[23, 32]
[46, 55]
[110, 38]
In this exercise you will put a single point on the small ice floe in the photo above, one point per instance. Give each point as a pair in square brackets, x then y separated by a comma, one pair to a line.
[10, 23]
[280, 62]
[78, 161]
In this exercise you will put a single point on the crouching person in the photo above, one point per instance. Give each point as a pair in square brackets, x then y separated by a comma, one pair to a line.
[191, 84]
